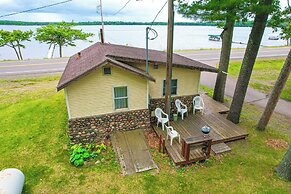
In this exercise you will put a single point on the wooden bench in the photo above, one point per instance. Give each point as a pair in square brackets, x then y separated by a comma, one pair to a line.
[199, 143]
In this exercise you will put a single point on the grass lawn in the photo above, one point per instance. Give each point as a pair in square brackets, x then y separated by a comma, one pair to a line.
[264, 76]
[33, 124]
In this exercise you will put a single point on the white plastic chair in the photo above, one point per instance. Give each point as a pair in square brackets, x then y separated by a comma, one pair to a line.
[161, 117]
[172, 134]
[198, 104]
[181, 108]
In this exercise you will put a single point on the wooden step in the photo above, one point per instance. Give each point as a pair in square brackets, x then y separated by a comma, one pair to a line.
[220, 148]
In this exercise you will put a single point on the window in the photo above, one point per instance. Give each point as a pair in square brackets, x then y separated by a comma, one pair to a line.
[156, 66]
[120, 97]
[174, 86]
[107, 70]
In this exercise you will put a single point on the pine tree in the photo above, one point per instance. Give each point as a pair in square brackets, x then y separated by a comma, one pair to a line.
[275, 95]
[225, 13]
[264, 8]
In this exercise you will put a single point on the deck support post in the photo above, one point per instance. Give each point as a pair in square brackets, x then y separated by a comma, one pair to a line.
[160, 142]
[208, 148]
[164, 146]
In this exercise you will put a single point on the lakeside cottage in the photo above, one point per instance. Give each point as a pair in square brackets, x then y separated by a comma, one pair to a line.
[107, 88]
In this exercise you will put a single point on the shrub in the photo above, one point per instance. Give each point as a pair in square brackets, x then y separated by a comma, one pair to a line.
[79, 153]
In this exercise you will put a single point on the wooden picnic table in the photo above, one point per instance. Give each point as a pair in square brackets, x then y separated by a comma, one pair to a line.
[198, 142]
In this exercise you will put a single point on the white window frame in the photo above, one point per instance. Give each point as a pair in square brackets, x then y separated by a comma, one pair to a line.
[67, 103]
[114, 107]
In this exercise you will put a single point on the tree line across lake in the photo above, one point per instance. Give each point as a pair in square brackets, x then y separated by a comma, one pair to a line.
[23, 23]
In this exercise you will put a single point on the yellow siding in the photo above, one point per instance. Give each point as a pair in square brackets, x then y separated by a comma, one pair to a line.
[93, 93]
[188, 80]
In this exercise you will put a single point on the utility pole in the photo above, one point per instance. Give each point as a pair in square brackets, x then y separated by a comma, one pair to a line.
[102, 23]
[169, 57]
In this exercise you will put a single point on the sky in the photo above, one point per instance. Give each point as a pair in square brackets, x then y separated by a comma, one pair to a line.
[86, 10]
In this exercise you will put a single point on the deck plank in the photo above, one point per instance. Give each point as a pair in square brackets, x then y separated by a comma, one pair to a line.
[212, 106]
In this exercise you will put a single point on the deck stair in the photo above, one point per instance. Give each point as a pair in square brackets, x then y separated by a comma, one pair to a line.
[220, 148]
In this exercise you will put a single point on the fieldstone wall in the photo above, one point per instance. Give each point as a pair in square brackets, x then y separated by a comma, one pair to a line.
[97, 128]
[160, 102]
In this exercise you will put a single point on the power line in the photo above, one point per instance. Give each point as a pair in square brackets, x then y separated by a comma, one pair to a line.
[150, 29]
[122, 8]
[158, 13]
[33, 9]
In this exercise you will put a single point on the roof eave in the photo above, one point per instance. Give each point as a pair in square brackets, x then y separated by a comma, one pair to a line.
[123, 65]
[108, 60]
[127, 59]
[62, 86]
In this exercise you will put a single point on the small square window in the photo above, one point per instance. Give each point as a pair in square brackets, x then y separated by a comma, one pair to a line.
[107, 70]
[156, 66]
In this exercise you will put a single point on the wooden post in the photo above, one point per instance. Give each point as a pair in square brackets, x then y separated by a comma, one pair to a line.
[183, 147]
[169, 57]
[160, 142]
[208, 148]
[164, 147]
[101, 35]
[187, 152]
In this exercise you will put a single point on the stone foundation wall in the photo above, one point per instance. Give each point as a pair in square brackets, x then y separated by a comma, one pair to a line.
[160, 102]
[97, 128]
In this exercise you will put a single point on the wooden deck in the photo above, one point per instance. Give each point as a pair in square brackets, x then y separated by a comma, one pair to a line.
[222, 131]
[212, 106]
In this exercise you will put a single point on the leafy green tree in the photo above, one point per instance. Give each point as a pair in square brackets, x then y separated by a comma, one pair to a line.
[282, 20]
[225, 13]
[14, 39]
[61, 34]
[263, 10]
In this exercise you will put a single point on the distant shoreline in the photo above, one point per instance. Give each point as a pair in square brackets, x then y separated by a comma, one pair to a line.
[23, 23]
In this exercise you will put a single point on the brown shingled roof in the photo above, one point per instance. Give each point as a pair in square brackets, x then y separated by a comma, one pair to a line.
[100, 54]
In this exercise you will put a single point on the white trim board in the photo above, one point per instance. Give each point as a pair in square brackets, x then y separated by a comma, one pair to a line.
[67, 103]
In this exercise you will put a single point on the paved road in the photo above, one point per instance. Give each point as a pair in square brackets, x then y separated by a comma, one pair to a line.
[40, 66]
[35, 66]
[211, 57]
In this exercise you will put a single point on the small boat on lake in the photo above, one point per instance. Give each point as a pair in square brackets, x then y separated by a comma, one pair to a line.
[274, 37]
[214, 37]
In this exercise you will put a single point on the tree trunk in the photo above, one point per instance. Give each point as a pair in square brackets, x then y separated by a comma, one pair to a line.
[284, 168]
[16, 53]
[61, 54]
[275, 95]
[19, 52]
[249, 61]
[224, 60]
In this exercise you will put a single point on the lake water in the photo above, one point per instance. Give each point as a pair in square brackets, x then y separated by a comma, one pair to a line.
[185, 37]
